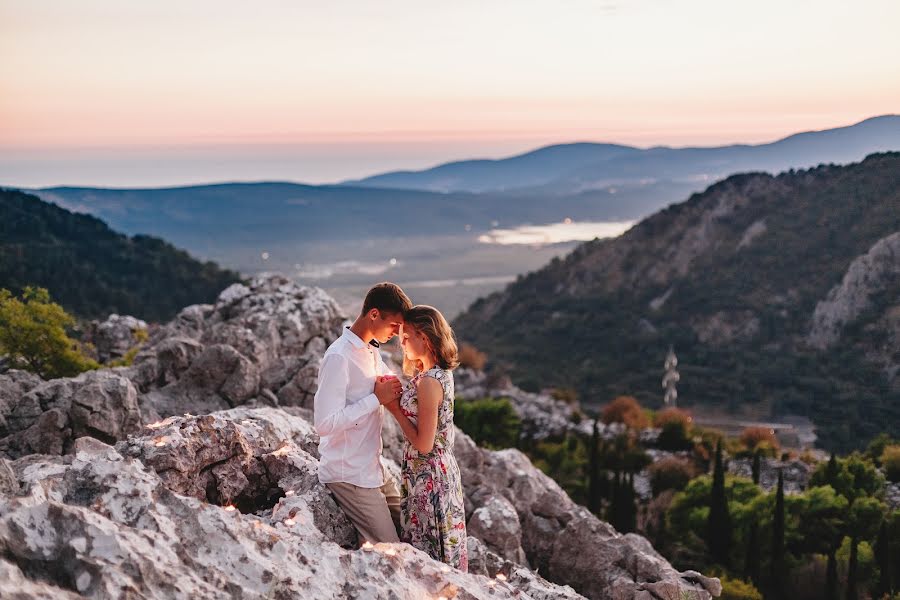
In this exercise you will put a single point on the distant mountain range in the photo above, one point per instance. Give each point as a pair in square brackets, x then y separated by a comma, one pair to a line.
[781, 292]
[341, 237]
[575, 168]
[93, 271]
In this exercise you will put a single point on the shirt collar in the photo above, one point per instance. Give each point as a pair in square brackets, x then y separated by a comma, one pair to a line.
[355, 339]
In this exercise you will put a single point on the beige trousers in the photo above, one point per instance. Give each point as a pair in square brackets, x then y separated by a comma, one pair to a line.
[375, 512]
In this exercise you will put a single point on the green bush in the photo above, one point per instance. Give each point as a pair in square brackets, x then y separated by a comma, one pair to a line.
[33, 335]
[737, 589]
[490, 422]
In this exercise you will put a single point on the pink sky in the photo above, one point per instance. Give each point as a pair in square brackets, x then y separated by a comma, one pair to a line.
[349, 88]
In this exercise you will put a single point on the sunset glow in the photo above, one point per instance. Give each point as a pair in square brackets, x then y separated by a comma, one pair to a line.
[343, 90]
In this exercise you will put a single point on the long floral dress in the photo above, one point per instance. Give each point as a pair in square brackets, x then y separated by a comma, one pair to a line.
[432, 513]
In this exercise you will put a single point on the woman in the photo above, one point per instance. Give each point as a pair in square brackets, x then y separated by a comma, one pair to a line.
[432, 515]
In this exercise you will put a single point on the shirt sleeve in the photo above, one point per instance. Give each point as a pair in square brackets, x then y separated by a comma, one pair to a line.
[331, 411]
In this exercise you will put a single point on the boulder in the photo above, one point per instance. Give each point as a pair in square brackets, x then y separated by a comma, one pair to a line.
[52, 414]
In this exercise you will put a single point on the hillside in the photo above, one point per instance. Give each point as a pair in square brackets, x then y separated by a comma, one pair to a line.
[92, 270]
[781, 290]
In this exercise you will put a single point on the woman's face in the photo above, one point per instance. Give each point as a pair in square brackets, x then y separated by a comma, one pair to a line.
[412, 342]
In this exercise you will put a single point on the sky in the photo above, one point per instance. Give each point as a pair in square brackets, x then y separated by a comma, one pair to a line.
[106, 92]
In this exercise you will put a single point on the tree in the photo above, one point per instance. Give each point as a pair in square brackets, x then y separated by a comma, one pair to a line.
[823, 523]
[669, 473]
[865, 518]
[876, 447]
[627, 410]
[755, 468]
[759, 439]
[883, 558]
[33, 334]
[852, 477]
[594, 495]
[675, 429]
[778, 574]
[753, 560]
[490, 422]
[718, 534]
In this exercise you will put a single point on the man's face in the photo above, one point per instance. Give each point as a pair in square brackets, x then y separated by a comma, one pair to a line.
[386, 325]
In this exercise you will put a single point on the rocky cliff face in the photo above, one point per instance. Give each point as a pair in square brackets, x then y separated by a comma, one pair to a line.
[875, 272]
[192, 473]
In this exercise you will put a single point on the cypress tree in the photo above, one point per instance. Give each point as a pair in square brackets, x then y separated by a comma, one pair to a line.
[751, 568]
[778, 551]
[594, 501]
[718, 536]
[852, 570]
[629, 508]
[831, 471]
[883, 560]
[756, 467]
[613, 512]
[831, 577]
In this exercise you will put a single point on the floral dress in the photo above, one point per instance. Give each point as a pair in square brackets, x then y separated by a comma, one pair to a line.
[432, 513]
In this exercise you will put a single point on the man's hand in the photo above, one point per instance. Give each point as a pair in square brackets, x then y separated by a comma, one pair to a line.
[388, 389]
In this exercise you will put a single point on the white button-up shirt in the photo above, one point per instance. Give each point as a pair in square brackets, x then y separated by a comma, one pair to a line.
[347, 413]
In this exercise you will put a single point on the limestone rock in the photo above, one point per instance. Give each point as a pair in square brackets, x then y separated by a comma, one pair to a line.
[865, 276]
[101, 523]
[115, 336]
[563, 541]
[13, 385]
[52, 414]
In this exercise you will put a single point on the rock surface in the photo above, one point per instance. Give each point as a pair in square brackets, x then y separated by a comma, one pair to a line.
[147, 517]
[115, 336]
[128, 521]
[51, 415]
[867, 275]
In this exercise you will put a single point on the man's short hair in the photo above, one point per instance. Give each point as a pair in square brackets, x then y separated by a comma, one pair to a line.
[387, 298]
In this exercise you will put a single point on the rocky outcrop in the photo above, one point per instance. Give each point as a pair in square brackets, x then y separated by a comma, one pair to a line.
[867, 275]
[115, 336]
[51, 415]
[262, 341]
[127, 521]
[564, 541]
[217, 494]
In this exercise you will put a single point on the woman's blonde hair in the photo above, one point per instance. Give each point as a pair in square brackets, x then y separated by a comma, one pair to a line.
[439, 338]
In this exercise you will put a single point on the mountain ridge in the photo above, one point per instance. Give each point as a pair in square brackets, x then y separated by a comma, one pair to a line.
[731, 277]
[419, 179]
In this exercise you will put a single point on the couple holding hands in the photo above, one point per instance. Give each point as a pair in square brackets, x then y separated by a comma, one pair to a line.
[355, 390]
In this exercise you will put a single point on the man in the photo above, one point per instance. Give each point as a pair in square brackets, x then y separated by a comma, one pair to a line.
[348, 415]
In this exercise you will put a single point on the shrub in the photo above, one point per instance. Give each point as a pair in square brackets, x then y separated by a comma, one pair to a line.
[675, 429]
[671, 414]
[737, 589]
[33, 334]
[627, 410]
[890, 460]
[753, 437]
[471, 357]
[670, 473]
[490, 422]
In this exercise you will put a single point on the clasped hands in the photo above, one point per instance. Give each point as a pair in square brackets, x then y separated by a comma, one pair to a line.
[388, 390]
